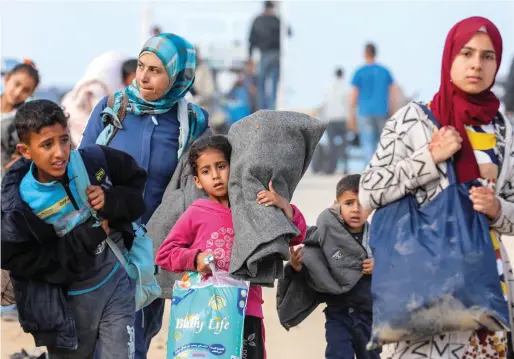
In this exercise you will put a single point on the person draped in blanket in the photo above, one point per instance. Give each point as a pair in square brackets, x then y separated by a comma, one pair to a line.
[206, 228]
[412, 154]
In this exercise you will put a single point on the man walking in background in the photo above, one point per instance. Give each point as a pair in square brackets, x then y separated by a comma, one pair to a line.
[372, 101]
[265, 35]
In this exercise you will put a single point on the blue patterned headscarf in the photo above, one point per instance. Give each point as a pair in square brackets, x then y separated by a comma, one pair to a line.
[179, 59]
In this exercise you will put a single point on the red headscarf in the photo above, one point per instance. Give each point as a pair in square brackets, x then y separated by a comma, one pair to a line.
[454, 107]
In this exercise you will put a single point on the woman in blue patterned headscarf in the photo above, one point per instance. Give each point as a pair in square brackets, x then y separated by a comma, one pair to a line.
[153, 94]
[155, 126]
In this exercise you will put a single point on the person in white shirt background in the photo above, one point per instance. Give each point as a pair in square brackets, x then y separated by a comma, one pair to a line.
[334, 111]
[204, 88]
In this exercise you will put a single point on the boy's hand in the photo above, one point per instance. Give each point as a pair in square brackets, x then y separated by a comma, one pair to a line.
[96, 197]
[272, 198]
[367, 266]
[201, 266]
[296, 258]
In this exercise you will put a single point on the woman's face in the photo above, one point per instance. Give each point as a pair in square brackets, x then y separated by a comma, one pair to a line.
[18, 87]
[474, 68]
[151, 77]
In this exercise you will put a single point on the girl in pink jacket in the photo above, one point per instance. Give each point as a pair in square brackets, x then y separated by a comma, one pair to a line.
[206, 228]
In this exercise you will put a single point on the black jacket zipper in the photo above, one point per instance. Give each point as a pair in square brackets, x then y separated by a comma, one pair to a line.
[356, 240]
[66, 186]
[360, 243]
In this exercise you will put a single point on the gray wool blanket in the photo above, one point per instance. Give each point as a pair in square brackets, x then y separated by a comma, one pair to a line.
[267, 145]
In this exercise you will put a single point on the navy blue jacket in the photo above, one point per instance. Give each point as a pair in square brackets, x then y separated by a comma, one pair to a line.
[155, 143]
[42, 264]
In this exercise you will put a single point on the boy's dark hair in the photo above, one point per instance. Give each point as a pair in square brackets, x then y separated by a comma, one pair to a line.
[348, 183]
[29, 68]
[339, 72]
[371, 49]
[216, 142]
[268, 5]
[129, 67]
[34, 115]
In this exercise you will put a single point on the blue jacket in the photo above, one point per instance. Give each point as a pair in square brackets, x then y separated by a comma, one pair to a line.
[42, 264]
[155, 141]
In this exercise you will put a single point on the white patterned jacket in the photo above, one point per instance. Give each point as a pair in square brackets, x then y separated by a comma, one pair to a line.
[403, 165]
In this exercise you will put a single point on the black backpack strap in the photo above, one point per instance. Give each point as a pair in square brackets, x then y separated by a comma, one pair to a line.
[192, 117]
[110, 101]
[121, 113]
[96, 164]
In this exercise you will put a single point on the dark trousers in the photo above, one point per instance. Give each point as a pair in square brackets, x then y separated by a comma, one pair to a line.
[153, 315]
[347, 332]
[104, 320]
[253, 339]
[269, 70]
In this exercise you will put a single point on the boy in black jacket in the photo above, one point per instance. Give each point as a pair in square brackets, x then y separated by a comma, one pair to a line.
[71, 291]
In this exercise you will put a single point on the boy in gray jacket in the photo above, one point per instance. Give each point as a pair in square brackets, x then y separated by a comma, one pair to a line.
[342, 235]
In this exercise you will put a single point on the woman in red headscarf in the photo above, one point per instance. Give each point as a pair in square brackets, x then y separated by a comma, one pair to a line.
[411, 159]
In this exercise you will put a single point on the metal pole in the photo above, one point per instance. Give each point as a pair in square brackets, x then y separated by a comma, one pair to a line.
[146, 21]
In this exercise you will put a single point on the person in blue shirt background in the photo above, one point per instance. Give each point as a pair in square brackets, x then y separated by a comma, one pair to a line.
[156, 131]
[371, 101]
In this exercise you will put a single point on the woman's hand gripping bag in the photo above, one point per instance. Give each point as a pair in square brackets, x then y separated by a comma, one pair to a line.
[207, 317]
[435, 268]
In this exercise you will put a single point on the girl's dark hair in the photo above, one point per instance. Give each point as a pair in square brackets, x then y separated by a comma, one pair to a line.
[29, 68]
[216, 142]
[129, 67]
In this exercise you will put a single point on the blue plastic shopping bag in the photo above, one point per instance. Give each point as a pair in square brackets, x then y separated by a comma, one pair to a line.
[435, 268]
[207, 317]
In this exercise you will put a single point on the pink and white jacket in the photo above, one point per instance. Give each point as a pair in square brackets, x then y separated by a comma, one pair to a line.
[206, 226]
